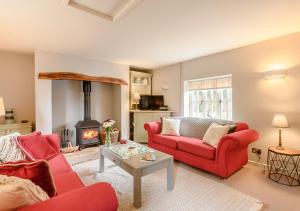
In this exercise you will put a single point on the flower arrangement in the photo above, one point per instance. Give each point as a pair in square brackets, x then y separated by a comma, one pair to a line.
[108, 127]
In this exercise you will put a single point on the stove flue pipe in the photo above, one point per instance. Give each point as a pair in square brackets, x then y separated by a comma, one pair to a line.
[87, 99]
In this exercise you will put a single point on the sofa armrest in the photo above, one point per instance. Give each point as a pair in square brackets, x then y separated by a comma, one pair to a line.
[54, 140]
[97, 197]
[238, 139]
[153, 127]
[232, 152]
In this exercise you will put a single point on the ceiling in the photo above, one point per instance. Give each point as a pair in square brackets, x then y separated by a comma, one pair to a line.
[112, 10]
[155, 33]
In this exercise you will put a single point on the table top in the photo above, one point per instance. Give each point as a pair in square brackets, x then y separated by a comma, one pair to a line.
[151, 111]
[135, 161]
[285, 151]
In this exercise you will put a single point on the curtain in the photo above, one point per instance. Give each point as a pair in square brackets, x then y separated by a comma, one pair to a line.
[210, 83]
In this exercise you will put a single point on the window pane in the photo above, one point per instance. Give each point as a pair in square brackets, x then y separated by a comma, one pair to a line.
[213, 102]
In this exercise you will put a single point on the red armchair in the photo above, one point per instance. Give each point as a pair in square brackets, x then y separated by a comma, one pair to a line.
[229, 156]
[94, 197]
[71, 193]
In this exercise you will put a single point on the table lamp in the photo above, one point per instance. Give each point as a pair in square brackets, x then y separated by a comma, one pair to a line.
[280, 121]
[2, 109]
[136, 98]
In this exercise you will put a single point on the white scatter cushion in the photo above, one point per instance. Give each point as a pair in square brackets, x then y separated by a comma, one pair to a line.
[214, 134]
[170, 127]
[9, 150]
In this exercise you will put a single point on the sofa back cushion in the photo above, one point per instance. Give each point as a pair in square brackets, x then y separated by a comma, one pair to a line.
[36, 146]
[196, 127]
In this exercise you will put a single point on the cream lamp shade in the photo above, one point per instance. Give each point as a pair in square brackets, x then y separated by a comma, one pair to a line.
[280, 121]
[136, 96]
[2, 110]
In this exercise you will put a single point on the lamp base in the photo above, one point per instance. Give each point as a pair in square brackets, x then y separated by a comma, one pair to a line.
[280, 147]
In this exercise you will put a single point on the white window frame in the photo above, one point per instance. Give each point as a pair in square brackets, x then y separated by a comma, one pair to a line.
[211, 108]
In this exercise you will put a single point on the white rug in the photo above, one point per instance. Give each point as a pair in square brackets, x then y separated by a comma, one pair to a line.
[193, 189]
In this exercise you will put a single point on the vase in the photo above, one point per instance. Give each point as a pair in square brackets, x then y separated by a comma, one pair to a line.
[107, 139]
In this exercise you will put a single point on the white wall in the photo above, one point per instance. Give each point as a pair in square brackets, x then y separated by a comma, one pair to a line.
[68, 104]
[53, 62]
[169, 76]
[17, 84]
[255, 100]
[67, 108]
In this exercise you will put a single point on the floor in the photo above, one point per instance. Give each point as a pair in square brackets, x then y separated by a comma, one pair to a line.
[252, 180]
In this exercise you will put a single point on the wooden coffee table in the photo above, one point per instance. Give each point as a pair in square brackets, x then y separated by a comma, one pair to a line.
[138, 169]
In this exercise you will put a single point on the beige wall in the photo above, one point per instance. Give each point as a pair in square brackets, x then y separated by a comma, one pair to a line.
[255, 100]
[17, 84]
[169, 76]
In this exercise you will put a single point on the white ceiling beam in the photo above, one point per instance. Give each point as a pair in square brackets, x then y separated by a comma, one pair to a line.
[90, 10]
[123, 9]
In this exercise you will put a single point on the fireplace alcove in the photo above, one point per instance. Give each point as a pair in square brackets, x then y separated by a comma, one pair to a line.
[68, 107]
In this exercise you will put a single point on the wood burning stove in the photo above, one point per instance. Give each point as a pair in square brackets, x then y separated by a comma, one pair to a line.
[88, 130]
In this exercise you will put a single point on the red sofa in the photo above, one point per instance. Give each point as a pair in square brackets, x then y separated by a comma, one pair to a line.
[71, 192]
[229, 156]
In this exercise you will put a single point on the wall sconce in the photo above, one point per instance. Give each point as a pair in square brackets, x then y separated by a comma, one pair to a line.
[165, 87]
[275, 74]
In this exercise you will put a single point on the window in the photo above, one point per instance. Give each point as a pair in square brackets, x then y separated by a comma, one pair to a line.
[209, 98]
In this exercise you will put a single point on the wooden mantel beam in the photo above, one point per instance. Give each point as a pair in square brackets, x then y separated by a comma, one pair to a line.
[79, 77]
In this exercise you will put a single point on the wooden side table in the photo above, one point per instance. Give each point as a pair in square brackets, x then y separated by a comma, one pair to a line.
[283, 166]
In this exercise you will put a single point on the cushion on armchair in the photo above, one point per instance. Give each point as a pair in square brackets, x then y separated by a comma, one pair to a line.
[16, 193]
[36, 146]
[37, 171]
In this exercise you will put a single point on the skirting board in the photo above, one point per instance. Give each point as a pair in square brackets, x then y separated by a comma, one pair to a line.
[261, 164]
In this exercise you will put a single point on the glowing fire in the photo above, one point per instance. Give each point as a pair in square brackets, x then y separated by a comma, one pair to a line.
[90, 134]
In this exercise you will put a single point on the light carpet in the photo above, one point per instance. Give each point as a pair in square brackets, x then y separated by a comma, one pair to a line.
[193, 189]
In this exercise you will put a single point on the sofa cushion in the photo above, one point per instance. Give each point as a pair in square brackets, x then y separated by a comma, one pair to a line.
[16, 192]
[170, 127]
[214, 134]
[165, 140]
[196, 147]
[196, 127]
[59, 165]
[67, 182]
[37, 171]
[36, 146]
